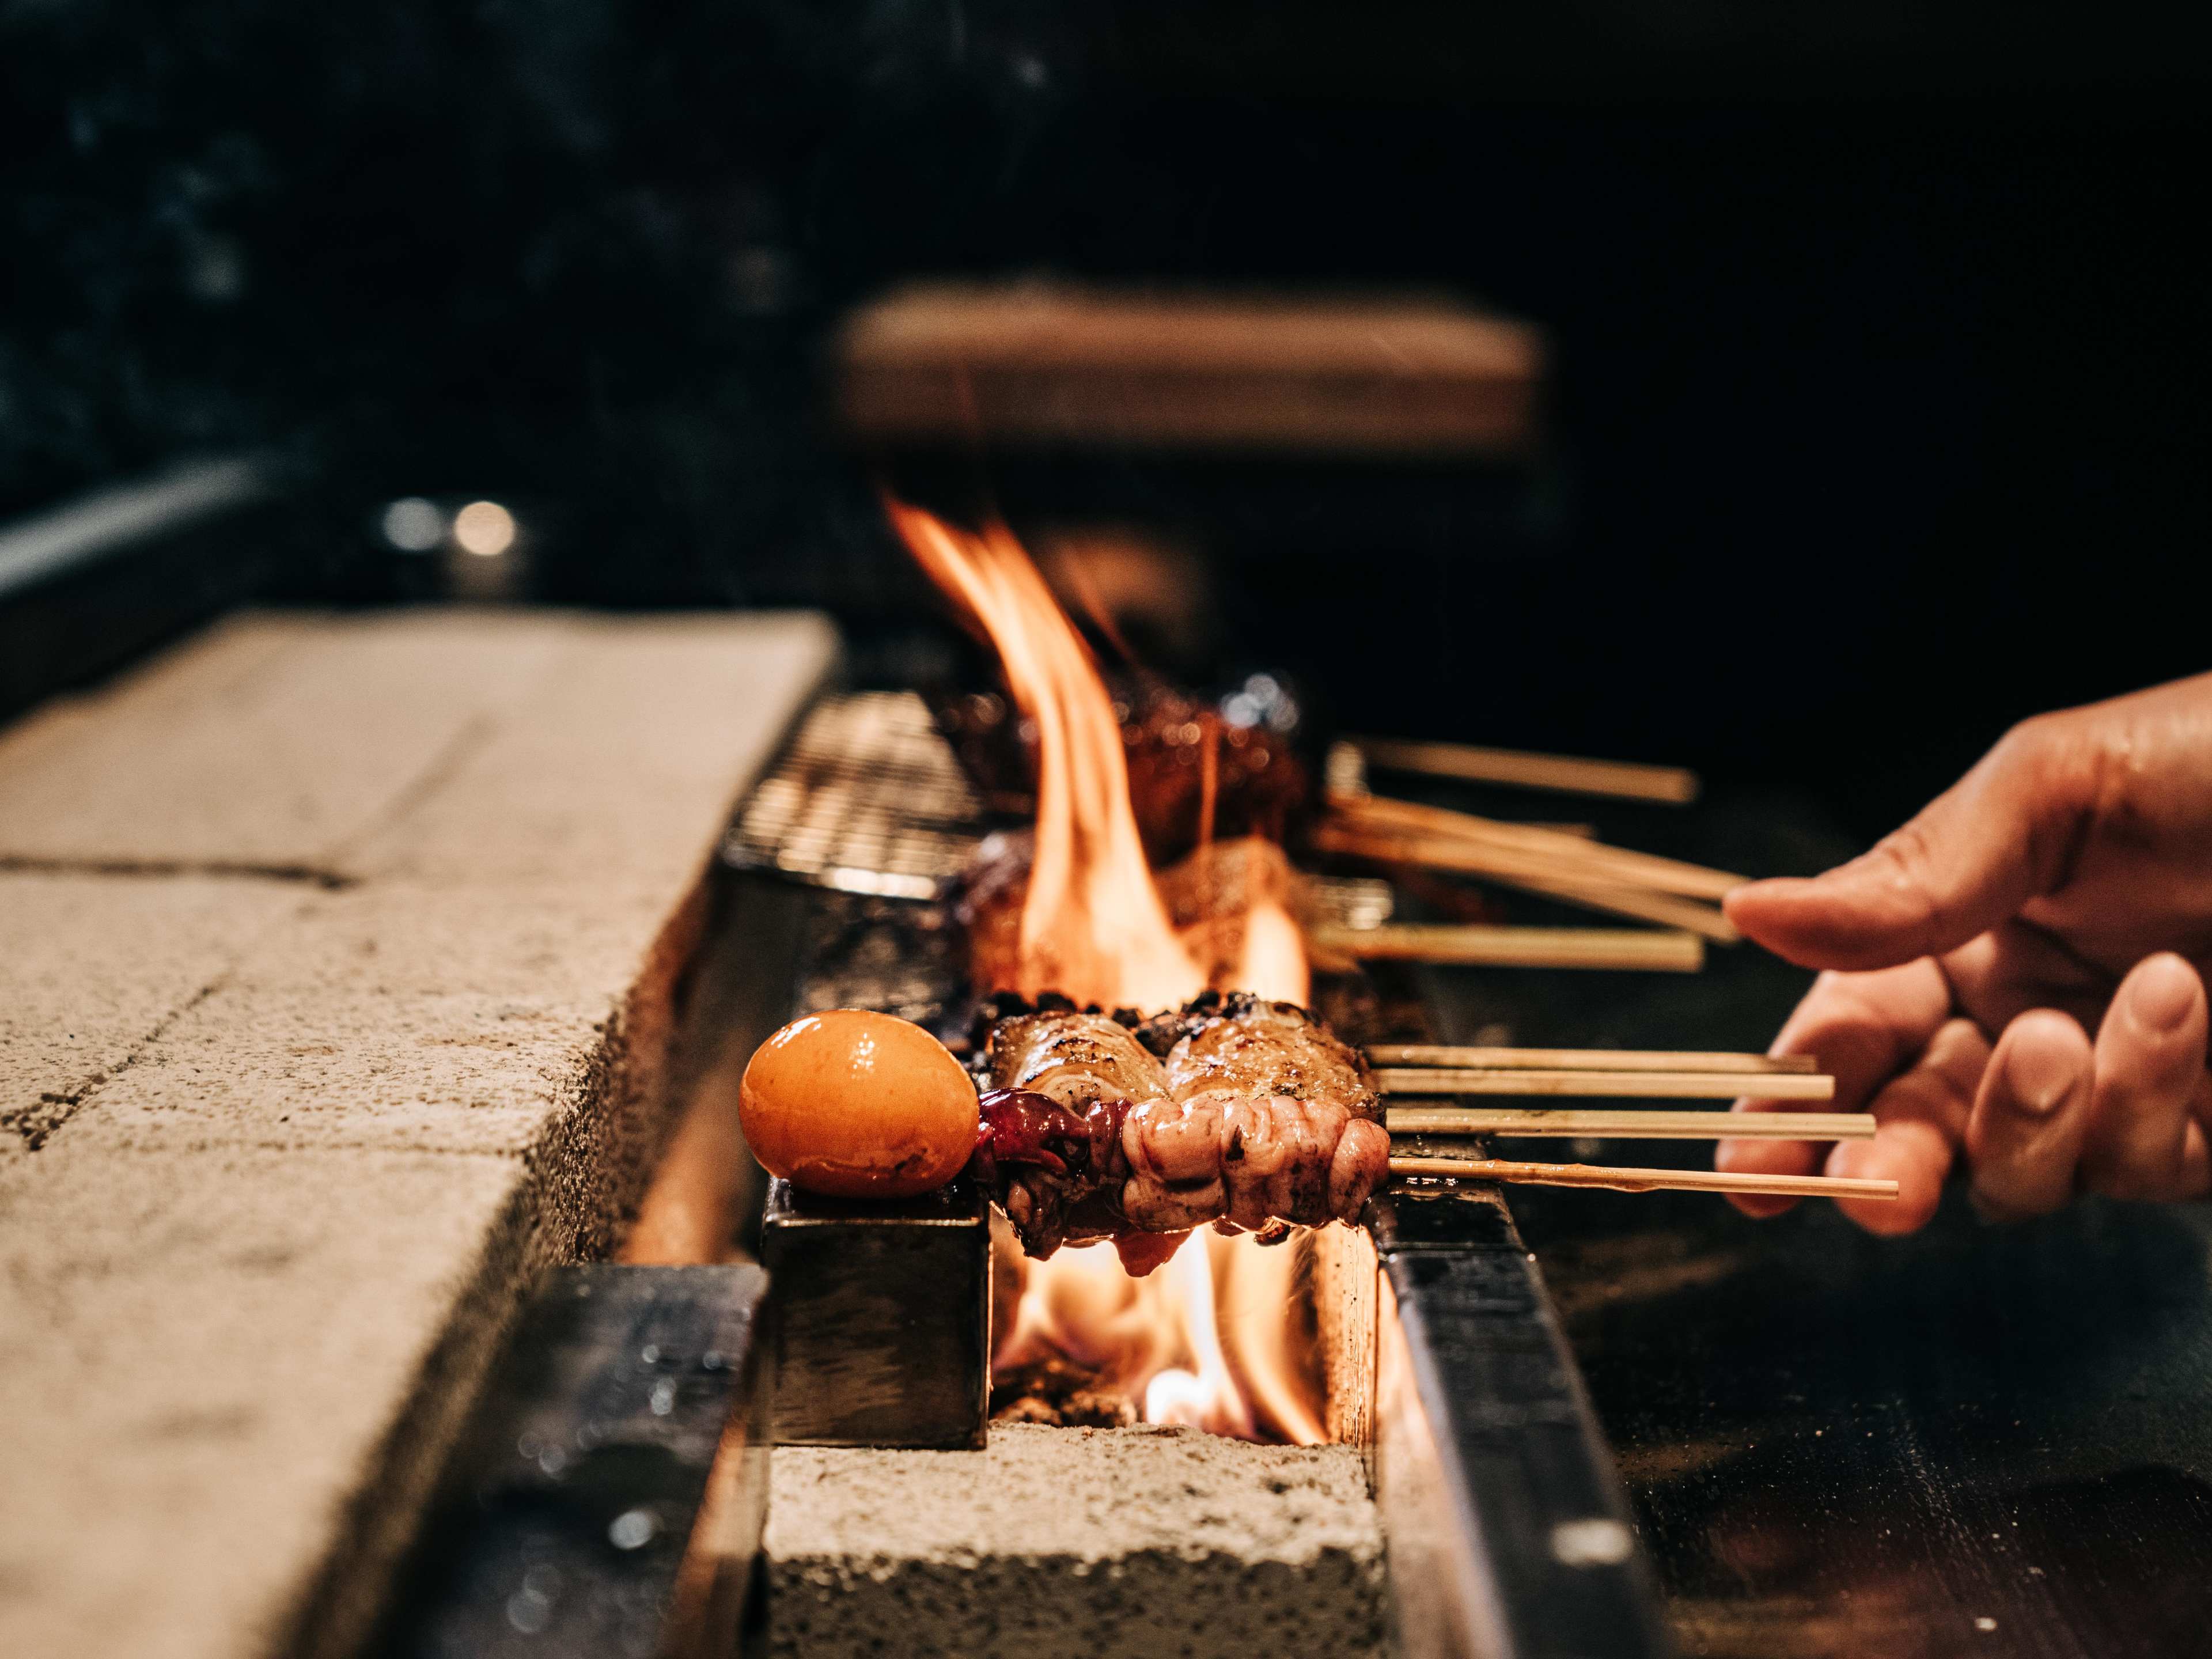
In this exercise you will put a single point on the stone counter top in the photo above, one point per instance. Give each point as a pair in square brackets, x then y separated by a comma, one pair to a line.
[338, 962]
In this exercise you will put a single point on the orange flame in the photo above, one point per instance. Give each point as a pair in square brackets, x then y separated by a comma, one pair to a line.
[1206, 1339]
[1273, 961]
[1093, 927]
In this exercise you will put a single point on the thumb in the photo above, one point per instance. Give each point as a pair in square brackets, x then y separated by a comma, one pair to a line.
[2003, 834]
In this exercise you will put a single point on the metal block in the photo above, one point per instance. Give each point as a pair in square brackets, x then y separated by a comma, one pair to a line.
[1510, 1532]
[607, 1495]
[880, 1318]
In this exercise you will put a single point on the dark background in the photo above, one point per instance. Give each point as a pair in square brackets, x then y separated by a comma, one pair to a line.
[1878, 413]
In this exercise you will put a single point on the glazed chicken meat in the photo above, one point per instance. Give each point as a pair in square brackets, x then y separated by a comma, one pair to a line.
[1234, 1110]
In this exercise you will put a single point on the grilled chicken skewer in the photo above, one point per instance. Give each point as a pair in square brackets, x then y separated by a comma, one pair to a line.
[1235, 1111]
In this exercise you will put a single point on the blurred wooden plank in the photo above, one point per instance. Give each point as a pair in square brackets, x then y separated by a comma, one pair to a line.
[1036, 363]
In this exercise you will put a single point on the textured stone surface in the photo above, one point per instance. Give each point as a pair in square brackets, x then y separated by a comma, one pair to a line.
[510, 809]
[1115, 1544]
[270, 742]
[476, 746]
[398, 1015]
[285, 1143]
[92, 968]
[220, 1339]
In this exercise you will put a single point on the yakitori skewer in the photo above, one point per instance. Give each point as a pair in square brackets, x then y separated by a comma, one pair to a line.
[1515, 947]
[1642, 1181]
[1466, 1058]
[1634, 1124]
[1623, 1085]
[1626, 779]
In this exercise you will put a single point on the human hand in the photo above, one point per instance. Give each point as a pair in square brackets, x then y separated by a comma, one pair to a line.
[2062, 887]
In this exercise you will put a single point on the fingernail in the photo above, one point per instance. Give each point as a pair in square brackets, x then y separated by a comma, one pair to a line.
[2163, 992]
[2039, 1081]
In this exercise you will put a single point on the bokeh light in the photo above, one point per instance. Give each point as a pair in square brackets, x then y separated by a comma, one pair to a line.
[485, 528]
[413, 524]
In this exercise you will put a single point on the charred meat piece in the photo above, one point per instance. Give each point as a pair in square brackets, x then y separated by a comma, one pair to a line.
[1195, 776]
[1049, 1145]
[1075, 1059]
[1211, 895]
[1259, 1048]
[1291, 1111]
[1257, 1118]
[992, 891]
[1198, 771]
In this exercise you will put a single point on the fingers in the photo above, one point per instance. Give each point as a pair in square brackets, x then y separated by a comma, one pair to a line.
[2032, 1117]
[1921, 1120]
[1997, 976]
[2149, 1072]
[2000, 835]
[2050, 1112]
[1863, 1029]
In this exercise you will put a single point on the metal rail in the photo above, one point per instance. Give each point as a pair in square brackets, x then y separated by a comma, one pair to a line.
[1510, 1534]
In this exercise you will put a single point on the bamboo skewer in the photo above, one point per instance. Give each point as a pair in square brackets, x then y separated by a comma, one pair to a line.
[1579, 1059]
[1626, 779]
[1607, 1085]
[1643, 1181]
[1599, 858]
[1538, 873]
[1615, 1086]
[1631, 1125]
[1515, 947]
[1640, 902]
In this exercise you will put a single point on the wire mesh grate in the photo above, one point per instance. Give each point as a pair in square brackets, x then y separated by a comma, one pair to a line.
[867, 799]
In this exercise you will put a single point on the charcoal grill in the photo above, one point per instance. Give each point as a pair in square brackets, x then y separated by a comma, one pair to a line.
[1508, 1533]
